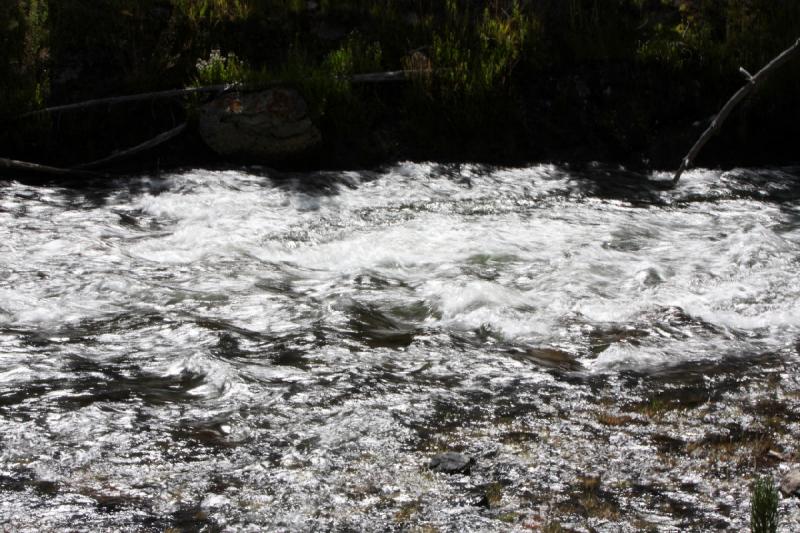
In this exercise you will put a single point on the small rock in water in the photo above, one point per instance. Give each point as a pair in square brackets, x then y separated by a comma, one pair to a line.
[451, 463]
[790, 484]
[649, 277]
[214, 501]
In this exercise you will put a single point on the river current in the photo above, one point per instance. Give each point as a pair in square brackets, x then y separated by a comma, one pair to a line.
[244, 350]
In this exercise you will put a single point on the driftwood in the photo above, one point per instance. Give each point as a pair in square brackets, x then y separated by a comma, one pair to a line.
[147, 145]
[80, 171]
[158, 95]
[753, 82]
[372, 77]
[35, 168]
[380, 77]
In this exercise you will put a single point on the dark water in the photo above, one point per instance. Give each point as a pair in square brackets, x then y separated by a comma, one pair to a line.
[241, 352]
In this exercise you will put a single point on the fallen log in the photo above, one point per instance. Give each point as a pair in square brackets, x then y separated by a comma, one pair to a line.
[753, 82]
[35, 168]
[382, 77]
[147, 145]
[372, 77]
[113, 100]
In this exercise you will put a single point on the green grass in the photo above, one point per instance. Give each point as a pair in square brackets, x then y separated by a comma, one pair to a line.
[764, 506]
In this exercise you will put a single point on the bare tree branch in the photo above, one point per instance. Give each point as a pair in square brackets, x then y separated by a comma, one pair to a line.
[36, 168]
[378, 77]
[372, 77]
[158, 95]
[147, 145]
[753, 83]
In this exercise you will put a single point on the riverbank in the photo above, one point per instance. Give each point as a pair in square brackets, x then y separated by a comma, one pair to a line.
[500, 82]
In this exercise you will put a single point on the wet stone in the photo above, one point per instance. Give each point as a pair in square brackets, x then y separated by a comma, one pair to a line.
[790, 484]
[649, 277]
[452, 463]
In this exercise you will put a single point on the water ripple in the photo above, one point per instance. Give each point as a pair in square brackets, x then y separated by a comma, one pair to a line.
[225, 350]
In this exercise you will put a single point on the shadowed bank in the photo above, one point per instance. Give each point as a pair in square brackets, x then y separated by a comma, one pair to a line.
[627, 81]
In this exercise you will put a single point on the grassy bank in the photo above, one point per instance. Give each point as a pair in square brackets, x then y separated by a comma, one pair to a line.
[507, 80]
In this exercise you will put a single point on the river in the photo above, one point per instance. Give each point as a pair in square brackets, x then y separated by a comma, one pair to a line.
[240, 350]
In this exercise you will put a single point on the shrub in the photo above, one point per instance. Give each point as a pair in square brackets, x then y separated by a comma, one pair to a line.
[476, 55]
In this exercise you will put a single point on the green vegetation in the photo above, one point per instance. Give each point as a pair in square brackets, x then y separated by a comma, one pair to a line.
[24, 80]
[764, 506]
[495, 77]
[218, 69]
[23, 39]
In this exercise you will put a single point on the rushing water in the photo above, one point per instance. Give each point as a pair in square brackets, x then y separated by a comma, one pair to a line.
[234, 350]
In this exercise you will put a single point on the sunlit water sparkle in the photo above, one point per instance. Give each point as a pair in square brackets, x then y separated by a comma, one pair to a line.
[234, 350]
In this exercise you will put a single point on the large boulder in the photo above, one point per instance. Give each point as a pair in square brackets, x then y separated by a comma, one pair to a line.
[266, 125]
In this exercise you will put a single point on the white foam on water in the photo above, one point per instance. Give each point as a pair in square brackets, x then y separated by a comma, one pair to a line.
[315, 326]
[472, 245]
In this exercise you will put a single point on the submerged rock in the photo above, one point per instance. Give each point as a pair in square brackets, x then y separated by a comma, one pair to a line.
[266, 125]
[649, 277]
[490, 496]
[790, 484]
[452, 463]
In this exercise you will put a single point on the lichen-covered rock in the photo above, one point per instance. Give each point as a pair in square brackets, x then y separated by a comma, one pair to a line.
[267, 125]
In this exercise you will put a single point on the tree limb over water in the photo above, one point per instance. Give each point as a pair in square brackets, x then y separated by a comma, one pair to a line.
[372, 77]
[147, 145]
[80, 171]
[158, 95]
[753, 82]
[35, 168]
